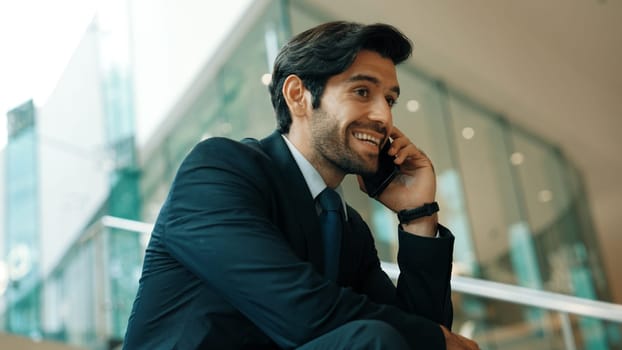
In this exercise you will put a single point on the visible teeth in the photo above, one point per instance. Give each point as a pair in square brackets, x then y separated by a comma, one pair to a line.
[366, 137]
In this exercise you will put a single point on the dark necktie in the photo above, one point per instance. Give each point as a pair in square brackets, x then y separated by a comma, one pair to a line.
[331, 221]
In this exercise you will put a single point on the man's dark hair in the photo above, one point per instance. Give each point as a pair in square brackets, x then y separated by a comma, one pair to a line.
[321, 52]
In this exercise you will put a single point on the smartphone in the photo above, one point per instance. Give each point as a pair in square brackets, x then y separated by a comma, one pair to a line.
[376, 183]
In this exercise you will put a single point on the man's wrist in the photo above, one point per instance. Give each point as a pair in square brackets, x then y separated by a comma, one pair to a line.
[410, 214]
[426, 226]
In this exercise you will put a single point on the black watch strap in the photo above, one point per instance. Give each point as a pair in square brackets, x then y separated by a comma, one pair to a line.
[408, 215]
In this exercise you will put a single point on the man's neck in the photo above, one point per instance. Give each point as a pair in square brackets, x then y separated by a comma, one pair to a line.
[331, 175]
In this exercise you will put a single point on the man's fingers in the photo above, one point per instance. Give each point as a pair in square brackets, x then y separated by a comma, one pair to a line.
[457, 342]
[402, 148]
[406, 152]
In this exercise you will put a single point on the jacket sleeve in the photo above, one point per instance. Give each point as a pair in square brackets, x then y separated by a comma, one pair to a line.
[218, 226]
[423, 287]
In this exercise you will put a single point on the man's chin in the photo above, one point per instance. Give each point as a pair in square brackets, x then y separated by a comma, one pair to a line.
[360, 165]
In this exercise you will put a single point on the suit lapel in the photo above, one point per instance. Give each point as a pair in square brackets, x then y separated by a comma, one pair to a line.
[301, 220]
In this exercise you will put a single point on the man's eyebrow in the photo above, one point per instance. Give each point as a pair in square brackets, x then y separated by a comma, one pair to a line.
[374, 80]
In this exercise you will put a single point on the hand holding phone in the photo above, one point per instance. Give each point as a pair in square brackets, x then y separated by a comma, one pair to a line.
[416, 185]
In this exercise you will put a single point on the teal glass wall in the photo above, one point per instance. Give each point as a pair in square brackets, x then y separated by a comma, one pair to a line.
[70, 297]
[122, 251]
[22, 315]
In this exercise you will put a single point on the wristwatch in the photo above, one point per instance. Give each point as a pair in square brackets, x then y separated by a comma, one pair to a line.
[408, 215]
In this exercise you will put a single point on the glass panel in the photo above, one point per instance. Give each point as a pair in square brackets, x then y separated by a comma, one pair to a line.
[123, 266]
[593, 334]
[69, 298]
[490, 193]
[244, 78]
[192, 128]
[423, 115]
[482, 320]
[22, 313]
[549, 212]
[541, 179]
[303, 17]
[235, 104]
[77, 298]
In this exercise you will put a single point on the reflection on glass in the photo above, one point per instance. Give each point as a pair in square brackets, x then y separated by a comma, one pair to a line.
[412, 105]
[468, 133]
[517, 158]
[545, 196]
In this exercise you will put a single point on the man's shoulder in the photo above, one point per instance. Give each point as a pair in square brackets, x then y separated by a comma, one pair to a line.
[222, 142]
[219, 160]
[228, 149]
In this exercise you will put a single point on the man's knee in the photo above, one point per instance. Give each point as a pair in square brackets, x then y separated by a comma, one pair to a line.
[378, 335]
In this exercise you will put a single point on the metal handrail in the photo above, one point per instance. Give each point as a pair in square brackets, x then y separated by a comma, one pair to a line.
[561, 303]
[527, 296]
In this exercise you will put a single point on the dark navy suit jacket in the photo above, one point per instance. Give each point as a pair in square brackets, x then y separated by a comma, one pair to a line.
[235, 262]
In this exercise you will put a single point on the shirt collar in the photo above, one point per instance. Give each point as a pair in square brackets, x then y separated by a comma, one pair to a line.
[312, 177]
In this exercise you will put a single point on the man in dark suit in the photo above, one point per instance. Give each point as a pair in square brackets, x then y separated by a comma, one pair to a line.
[237, 258]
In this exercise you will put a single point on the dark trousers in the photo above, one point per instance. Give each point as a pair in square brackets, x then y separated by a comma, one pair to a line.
[359, 335]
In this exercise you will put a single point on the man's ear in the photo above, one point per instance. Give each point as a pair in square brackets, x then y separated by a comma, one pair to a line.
[296, 95]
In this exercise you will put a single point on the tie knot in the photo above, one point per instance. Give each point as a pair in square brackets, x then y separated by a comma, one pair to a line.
[330, 200]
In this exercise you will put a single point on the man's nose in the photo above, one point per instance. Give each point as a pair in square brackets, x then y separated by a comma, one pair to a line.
[381, 112]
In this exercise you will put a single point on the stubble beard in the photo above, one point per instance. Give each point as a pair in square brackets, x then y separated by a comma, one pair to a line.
[333, 146]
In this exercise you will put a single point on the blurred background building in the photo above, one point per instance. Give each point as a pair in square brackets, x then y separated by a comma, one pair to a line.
[517, 103]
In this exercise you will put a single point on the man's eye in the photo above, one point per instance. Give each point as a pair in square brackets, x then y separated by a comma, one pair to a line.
[391, 101]
[362, 92]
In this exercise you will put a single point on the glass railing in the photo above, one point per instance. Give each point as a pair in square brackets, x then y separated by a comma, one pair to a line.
[539, 319]
[561, 306]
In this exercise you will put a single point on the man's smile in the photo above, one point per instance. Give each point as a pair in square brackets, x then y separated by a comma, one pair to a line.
[368, 138]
